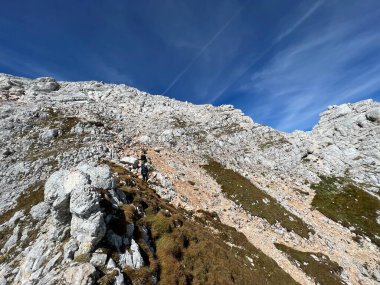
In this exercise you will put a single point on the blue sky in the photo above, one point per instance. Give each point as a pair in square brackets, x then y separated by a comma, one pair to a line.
[281, 61]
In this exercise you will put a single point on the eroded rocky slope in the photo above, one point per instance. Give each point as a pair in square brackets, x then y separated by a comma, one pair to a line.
[60, 202]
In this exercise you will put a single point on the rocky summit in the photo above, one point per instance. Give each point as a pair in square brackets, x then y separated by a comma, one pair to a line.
[227, 201]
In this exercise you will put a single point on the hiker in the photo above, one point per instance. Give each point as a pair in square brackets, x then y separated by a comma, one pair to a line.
[144, 170]
[143, 158]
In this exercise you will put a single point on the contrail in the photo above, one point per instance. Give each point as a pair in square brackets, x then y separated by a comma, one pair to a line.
[301, 20]
[205, 47]
[278, 39]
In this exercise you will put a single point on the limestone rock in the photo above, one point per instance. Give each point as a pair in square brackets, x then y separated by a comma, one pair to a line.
[70, 248]
[84, 202]
[45, 84]
[129, 160]
[90, 230]
[133, 259]
[100, 176]
[55, 193]
[137, 260]
[49, 134]
[40, 211]
[98, 259]
[80, 274]
[373, 115]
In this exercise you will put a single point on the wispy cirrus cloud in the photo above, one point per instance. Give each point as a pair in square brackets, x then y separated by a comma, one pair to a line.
[243, 68]
[205, 47]
[300, 20]
[332, 65]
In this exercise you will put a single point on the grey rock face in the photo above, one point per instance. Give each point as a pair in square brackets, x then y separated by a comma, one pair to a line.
[49, 134]
[100, 176]
[373, 115]
[70, 248]
[88, 231]
[80, 274]
[84, 202]
[98, 259]
[40, 211]
[45, 84]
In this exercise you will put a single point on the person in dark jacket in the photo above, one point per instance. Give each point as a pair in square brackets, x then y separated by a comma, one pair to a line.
[143, 158]
[144, 171]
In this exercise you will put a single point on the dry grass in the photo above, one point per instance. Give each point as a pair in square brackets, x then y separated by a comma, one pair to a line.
[320, 268]
[240, 190]
[109, 278]
[346, 203]
[187, 251]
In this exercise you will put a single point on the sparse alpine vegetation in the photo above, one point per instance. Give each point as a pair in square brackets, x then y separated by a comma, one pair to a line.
[255, 201]
[316, 265]
[192, 248]
[347, 203]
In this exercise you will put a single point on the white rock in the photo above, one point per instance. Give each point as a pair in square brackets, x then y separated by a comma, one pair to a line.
[373, 115]
[100, 176]
[49, 134]
[70, 248]
[84, 202]
[137, 259]
[129, 160]
[40, 211]
[90, 230]
[80, 274]
[111, 264]
[98, 259]
[119, 279]
[55, 193]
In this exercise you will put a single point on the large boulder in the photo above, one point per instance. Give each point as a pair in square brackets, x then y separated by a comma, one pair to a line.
[373, 115]
[100, 176]
[129, 160]
[72, 196]
[45, 84]
[57, 194]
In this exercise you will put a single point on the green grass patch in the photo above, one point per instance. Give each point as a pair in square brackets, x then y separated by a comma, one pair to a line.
[316, 265]
[255, 201]
[341, 200]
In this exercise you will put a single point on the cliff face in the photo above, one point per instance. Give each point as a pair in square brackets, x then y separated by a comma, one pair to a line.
[48, 126]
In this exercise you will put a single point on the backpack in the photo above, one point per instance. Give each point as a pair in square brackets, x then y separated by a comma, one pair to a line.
[144, 169]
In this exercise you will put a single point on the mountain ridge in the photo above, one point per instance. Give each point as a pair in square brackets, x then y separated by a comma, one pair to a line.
[49, 125]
